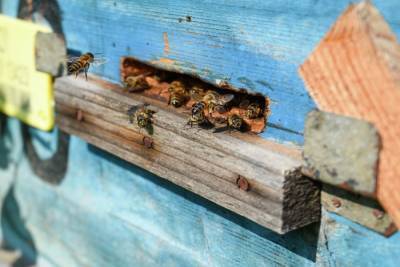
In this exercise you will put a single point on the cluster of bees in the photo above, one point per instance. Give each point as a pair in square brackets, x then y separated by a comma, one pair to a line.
[206, 103]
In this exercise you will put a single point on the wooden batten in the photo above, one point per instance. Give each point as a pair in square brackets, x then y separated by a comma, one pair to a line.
[270, 190]
[354, 71]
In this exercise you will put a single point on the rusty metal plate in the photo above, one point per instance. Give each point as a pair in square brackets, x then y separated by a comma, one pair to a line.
[362, 210]
[50, 54]
[341, 151]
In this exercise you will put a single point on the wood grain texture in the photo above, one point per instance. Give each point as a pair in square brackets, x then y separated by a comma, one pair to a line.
[203, 162]
[354, 71]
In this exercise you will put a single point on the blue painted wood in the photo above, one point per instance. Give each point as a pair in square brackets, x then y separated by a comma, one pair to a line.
[107, 212]
[255, 44]
[344, 243]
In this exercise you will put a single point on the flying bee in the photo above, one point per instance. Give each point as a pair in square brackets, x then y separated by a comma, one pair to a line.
[81, 64]
[178, 94]
[253, 110]
[143, 116]
[215, 101]
[136, 83]
[198, 117]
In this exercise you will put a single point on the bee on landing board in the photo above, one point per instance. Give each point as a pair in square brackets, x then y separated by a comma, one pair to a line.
[76, 65]
[216, 101]
[233, 122]
[143, 116]
[179, 95]
[198, 117]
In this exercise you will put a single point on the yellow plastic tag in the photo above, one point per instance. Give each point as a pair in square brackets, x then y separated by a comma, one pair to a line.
[24, 92]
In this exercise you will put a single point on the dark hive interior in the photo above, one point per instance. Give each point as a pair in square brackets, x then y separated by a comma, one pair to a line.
[141, 78]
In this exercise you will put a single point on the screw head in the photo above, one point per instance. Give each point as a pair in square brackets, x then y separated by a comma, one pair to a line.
[242, 183]
[147, 142]
[79, 115]
[378, 214]
[336, 202]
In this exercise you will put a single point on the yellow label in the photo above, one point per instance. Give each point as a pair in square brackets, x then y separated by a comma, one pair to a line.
[24, 92]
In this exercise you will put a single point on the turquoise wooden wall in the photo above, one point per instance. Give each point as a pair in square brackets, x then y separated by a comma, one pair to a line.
[106, 212]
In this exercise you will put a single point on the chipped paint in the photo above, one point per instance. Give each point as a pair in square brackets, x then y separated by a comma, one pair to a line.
[165, 60]
[166, 43]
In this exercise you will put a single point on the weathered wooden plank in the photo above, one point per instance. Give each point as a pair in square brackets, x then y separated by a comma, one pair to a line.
[175, 146]
[254, 149]
[278, 198]
[362, 79]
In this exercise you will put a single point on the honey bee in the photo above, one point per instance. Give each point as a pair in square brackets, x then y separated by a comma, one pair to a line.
[136, 83]
[235, 122]
[81, 64]
[143, 116]
[253, 110]
[197, 93]
[215, 101]
[178, 94]
[198, 117]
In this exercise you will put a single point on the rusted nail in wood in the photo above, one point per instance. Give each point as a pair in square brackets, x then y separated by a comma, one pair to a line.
[79, 115]
[391, 229]
[336, 203]
[242, 183]
[378, 214]
[147, 142]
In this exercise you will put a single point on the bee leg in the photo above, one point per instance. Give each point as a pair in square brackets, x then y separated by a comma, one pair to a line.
[86, 70]
[76, 74]
[188, 123]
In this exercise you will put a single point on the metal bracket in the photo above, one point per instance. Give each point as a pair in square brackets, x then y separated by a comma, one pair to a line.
[362, 210]
[50, 54]
[341, 151]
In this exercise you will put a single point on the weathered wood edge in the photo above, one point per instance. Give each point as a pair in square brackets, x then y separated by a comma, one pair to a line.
[277, 199]
[361, 79]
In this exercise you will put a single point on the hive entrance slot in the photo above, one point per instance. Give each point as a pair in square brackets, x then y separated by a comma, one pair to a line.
[234, 109]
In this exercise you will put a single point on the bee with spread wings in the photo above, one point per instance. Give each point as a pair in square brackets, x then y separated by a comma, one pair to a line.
[76, 65]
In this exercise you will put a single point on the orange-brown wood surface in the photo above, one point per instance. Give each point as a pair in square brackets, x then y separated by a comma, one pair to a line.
[355, 71]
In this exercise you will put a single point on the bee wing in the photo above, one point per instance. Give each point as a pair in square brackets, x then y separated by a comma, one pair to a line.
[70, 59]
[244, 104]
[132, 110]
[219, 120]
[225, 99]
[99, 61]
[196, 96]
